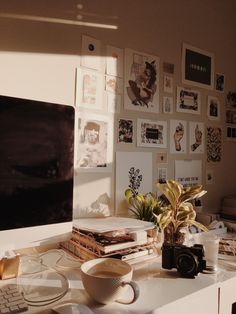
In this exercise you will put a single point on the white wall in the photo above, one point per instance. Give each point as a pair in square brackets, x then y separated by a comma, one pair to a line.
[38, 61]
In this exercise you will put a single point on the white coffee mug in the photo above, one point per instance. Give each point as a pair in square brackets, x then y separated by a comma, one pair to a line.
[106, 280]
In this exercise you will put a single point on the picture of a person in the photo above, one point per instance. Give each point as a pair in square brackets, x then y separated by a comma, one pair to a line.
[93, 145]
[142, 89]
[178, 135]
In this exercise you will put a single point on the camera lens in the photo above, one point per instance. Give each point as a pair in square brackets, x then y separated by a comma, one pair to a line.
[186, 264]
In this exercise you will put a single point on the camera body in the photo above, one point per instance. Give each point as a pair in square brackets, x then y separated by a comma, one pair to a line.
[189, 261]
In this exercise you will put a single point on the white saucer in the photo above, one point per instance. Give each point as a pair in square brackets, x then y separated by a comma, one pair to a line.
[72, 308]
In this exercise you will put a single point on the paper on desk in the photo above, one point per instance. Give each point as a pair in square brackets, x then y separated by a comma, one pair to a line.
[100, 225]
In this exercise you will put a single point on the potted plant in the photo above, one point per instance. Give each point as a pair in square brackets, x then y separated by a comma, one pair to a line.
[179, 213]
[143, 206]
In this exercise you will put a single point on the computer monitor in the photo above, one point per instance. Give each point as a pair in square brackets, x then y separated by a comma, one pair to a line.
[36, 172]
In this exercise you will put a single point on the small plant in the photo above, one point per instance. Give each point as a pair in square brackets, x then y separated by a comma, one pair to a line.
[144, 206]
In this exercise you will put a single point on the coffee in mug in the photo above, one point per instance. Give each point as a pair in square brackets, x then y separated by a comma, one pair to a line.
[106, 280]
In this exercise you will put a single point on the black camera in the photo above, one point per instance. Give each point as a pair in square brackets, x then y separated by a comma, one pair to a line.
[189, 261]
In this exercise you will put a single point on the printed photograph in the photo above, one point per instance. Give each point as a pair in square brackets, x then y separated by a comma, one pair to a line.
[188, 100]
[231, 116]
[94, 151]
[114, 61]
[151, 133]
[188, 172]
[168, 104]
[168, 67]
[161, 175]
[214, 144]
[178, 136]
[168, 84]
[231, 100]
[141, 91]
[213, 108]
[196, 137]
[162, 158]
[125, 131]
[91, 53]
[89, 89]
[231, 133]
[114, 84]
[132, 171]
[219, 82]
[197, 67]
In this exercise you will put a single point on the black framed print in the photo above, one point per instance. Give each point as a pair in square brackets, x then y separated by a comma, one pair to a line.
[197, 67]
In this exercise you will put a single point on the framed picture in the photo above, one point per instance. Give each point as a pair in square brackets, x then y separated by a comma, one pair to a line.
[168, 84]
[231, 116]
[214, 143]
[231, 133]
[213, 108]
[178, 136]
[219, 82]
[125, 131]
[141, 90]
[168, 67]
[89, 89]
[231, 100]
[113, 84]
[133, 170]
[151, 133]
[197, 67]
[168, 103]
[162, 158]
[91, 56]
[161, 175]
[188, 172]
[196, 137]
[94, 142]
[114, 61]
[188, 100]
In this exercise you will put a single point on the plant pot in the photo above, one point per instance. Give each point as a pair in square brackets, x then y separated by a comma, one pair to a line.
[174, 237]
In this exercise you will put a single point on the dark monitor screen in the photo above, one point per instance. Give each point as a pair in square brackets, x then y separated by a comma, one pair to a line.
[36, 163]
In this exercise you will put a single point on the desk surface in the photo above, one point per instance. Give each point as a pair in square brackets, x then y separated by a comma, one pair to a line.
[158, 288]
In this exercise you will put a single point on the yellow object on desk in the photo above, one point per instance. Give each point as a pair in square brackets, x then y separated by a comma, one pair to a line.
[9, 267]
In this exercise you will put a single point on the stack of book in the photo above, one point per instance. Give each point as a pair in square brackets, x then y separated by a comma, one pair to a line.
[118, 237]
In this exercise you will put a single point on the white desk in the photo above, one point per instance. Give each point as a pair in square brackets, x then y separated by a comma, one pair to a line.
[161, 292]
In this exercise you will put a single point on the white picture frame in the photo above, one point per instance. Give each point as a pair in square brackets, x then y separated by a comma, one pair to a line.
[141, 84]
[168, 104]
[91, 56]
[168, 84]
[94, 142]
[188, 172]
[188, 100]
[114, 61]
[89, 89]
[151, 133]
[113, 84]
[133, 170]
